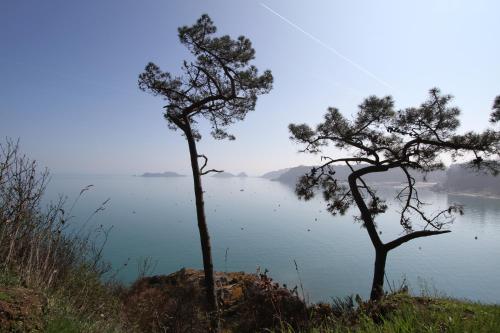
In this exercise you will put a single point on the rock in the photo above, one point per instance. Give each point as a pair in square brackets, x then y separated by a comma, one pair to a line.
[176, 302]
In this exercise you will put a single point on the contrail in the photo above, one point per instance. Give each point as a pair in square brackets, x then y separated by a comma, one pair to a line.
[329, 48]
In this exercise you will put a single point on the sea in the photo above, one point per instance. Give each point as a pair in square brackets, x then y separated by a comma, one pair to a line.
[259, 225]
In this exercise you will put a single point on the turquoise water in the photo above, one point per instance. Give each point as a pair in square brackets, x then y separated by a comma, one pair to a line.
[260, 223]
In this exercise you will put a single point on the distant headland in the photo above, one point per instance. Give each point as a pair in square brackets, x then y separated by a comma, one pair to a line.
[162, 174]
[229, 175]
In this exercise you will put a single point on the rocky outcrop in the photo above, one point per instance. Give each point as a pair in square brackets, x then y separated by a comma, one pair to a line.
[176, 302]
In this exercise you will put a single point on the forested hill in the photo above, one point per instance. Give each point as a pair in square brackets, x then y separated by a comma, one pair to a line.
[460, 178]
[457, 178]
[343, 171]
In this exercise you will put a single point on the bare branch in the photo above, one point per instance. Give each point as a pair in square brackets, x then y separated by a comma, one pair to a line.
[416, 234]
[205, 161]
[209, 171]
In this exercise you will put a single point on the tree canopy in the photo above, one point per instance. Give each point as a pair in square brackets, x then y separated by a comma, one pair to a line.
[380, 138]
[495, 115]
[218, 84]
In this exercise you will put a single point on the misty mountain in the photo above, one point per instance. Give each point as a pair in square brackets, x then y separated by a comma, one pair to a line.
[460, 178]
[274, 174]
[229, 175]
[223, 175]
[162, 174]
[291, 176]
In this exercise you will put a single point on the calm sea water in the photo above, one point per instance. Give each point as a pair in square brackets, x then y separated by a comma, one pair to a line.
[260, 223]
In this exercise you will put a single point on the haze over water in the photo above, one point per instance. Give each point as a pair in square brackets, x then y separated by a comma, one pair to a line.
[262, 224]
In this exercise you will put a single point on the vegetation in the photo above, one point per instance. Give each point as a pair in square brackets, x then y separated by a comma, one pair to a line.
[45, 263]
[400, 312]
[495, 115]
[221, 86]
[380, 139]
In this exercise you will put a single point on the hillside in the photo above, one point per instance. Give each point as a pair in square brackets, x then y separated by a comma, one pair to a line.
[462, 179]
[274, 174]
[223, 175]
[250, 303]
[342, 172]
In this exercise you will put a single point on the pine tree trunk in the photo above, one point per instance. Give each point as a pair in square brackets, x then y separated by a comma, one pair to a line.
[378, 275]
[204, 235]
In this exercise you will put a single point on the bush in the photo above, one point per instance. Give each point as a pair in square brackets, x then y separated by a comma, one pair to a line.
[41, 250]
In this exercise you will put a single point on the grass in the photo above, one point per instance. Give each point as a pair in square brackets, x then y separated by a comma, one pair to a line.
[88, 306]
[63, 318]
[5, 297]
[442, 315]
[414, 314]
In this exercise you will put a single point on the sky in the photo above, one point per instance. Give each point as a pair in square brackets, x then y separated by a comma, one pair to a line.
[68, 73]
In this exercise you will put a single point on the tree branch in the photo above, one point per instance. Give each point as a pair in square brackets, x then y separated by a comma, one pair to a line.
[205, 161]
[358, 198]
[416, 234]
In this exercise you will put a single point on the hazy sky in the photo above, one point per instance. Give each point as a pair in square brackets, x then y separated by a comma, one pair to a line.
[68, 73]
